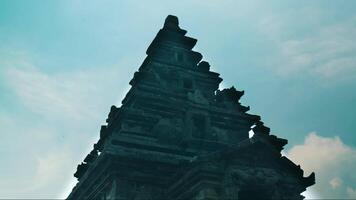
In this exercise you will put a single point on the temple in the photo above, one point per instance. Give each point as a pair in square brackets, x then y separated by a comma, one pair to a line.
[177, 136]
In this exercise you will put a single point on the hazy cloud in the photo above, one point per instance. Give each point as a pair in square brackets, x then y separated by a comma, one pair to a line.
[44, 142]
[75, 94]
[326, 52]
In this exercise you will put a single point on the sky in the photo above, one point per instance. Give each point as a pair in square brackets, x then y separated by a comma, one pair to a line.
[64, 63]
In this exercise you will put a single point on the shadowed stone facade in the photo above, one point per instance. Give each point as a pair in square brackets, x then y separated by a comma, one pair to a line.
[177, 136]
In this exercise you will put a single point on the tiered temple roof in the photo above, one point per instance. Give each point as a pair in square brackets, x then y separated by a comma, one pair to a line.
[177, 136]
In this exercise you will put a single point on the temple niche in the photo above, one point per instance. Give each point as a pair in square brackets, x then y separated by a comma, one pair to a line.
[177, 136]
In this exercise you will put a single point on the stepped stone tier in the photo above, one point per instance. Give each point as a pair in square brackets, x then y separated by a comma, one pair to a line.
[178, 137]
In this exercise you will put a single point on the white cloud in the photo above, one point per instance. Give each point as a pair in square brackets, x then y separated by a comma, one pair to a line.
[320, 152]
[331, 160]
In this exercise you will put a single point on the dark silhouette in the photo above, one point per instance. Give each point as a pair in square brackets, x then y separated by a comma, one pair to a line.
[177, 136]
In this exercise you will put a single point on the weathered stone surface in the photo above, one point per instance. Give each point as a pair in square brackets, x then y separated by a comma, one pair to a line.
[176, 136]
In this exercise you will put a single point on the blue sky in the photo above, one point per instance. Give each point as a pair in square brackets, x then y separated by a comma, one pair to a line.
[64, 63]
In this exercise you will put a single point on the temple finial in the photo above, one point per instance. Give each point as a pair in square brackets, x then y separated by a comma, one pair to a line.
[171, 21]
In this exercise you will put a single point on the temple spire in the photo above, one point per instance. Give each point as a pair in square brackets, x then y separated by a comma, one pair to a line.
[177, 136]
[172, 23]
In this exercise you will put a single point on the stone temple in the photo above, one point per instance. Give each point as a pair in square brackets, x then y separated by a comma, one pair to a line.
[177, 136]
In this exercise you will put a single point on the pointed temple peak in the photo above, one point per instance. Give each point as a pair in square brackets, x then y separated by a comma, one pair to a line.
[177, 136]
[171, 33]
[171, 22]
